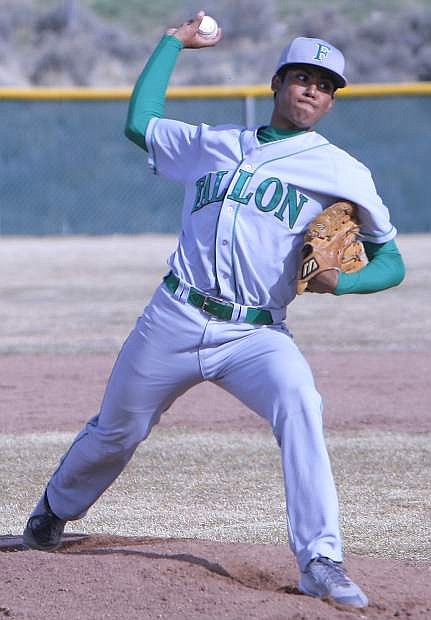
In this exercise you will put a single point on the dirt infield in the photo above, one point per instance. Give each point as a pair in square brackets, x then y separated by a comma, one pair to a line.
[194, 528]
[65, 390]
[105, 577]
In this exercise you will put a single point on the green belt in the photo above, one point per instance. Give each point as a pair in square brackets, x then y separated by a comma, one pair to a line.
[216, 307]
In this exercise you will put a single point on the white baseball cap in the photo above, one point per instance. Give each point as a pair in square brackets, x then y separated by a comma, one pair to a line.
[308, 51]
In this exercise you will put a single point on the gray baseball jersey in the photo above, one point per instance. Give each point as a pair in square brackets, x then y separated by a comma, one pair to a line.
[247, 204]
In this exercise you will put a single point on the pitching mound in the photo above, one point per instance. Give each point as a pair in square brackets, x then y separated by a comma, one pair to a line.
[135, 577]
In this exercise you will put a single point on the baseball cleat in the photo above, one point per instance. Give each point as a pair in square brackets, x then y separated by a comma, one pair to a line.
[44, 530]
[325, 578]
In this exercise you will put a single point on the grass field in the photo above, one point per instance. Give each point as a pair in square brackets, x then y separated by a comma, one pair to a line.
[388, 492]
[80, 295]
[97, 286]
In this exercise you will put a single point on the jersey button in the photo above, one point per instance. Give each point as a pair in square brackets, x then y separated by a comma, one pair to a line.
[248, 167]
[225, 242]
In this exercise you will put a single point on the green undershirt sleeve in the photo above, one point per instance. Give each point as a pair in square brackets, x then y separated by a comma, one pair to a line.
[148, 96]
[384, 270]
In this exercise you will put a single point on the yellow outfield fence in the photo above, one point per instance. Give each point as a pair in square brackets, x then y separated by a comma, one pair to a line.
[67, 167]
[190, 92]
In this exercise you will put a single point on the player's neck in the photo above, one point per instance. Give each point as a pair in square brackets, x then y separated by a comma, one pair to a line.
[281, 123]
[279, 126]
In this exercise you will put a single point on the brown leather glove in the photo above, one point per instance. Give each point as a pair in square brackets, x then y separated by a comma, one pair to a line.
[330, 242]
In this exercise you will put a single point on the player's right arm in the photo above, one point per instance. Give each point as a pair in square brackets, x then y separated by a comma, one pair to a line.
[148, 96]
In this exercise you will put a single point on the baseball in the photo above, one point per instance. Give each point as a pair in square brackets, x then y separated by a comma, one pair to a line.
[208, 27]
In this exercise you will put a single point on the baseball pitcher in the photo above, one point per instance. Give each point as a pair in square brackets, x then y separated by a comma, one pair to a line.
[250, 195]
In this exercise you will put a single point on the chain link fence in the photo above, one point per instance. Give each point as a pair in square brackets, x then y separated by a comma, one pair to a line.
[68, 169]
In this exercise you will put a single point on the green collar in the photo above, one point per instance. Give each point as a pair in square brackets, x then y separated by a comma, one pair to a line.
[271, 134]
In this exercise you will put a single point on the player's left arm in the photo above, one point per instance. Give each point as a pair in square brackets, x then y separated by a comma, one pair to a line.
[385, 269]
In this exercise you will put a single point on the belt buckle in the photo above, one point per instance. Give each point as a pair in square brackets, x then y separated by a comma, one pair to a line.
[204, 306]
[216, 300]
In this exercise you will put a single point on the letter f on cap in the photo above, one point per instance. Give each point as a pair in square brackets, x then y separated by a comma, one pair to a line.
[308, 51]
[321, 51]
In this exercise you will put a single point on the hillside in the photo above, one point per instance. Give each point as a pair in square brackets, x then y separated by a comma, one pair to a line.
[106, 42]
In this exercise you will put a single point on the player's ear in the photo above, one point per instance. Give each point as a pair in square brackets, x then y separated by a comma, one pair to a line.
[275, 83]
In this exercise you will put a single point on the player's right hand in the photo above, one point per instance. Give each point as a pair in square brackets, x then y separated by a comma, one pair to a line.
[189, 36]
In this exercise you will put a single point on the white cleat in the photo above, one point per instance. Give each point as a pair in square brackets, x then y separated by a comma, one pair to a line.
[325, 578]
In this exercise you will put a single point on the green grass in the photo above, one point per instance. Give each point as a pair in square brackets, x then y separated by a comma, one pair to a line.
[227, 487]
[353, 8]
[136, 14]
[132, 13]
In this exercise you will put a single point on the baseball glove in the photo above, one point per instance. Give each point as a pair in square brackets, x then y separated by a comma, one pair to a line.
[330, 242]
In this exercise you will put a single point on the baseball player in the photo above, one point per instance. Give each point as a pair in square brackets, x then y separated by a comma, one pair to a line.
[219, 313]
